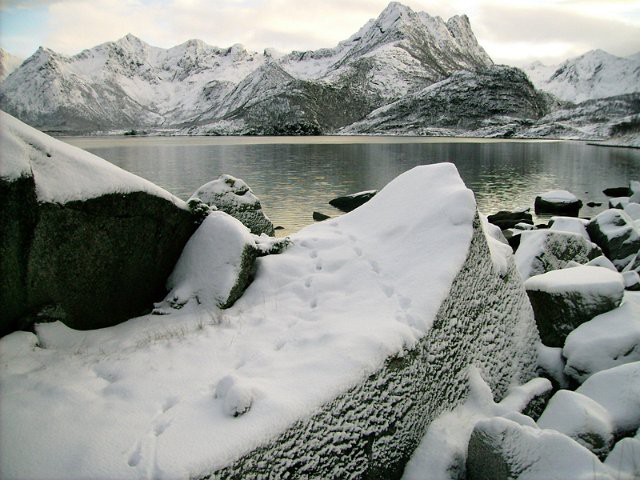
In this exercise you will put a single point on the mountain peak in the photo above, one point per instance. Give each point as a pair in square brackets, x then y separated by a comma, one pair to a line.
[131, 41]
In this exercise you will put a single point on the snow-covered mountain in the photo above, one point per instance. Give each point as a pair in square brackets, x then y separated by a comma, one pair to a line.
[8, 63]
[130, 84]
[596, 74]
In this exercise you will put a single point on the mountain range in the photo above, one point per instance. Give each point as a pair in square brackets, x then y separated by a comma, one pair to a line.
[404, 72]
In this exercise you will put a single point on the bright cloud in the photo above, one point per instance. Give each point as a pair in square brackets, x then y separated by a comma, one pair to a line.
[511, 32]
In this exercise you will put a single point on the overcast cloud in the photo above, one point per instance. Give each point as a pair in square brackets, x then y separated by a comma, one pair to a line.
[511, 32]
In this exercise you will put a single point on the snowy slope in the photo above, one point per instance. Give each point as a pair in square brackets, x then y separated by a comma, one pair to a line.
[8, 63]
[596, 74]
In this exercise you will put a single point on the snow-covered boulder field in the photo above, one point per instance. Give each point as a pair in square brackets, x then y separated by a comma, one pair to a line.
[331, 364]
[81, 240]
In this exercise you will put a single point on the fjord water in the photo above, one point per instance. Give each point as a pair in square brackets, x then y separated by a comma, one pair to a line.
[293, 176]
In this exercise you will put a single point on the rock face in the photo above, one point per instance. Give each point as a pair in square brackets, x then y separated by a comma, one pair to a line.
[352, 201]
[84, 241]
[564, 299]
[391, 408]
[616, 233]
[233, 196]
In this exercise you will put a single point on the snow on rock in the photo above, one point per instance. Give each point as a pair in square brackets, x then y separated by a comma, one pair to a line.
[558, 201]
[233, 196]
[564, 299]
[442, 452]
[501, 252]
[64, 173]
[610, 339]
[215, 266]
[541, 251]
[502, 449]
[625, 457]
[602, 261]
[343, 349]
[618, 236]
[569, 224]
[551, 365]
[581, 418]
[618, 391]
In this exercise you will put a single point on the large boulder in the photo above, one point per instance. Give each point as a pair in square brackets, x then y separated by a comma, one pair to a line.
[558, 202]
[83, 241]
[564, 299]
[233, 196]
[331, 364]
[581, 418]
[618, 236]
[542, 251]
[609, 340]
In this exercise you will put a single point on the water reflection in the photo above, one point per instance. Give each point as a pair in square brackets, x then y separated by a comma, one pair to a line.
[294, 179]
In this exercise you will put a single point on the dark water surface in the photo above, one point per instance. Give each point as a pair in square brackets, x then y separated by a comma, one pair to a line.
[293, 176]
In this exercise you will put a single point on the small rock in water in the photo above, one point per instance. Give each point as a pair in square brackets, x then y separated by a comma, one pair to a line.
[505, 219]
[594, 204]
[559, 202]
[352, 201]
[617, 192]
[318, 217]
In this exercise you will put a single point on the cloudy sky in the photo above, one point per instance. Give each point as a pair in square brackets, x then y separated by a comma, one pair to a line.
[512, 31]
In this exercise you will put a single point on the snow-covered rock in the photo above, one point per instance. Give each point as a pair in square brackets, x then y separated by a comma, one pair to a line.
[617, 389]
[542, 251]
[608, 340]
[505, 219]
[595, 74]
[215, 266]
[83, 241]
[569, 224]
[559, 202]
[343, 349]
[502, 449]
[233, 196]
[442, 452]
[564, 299]
[624, 457]
[617, 234]
[551, 365]
[581, 418]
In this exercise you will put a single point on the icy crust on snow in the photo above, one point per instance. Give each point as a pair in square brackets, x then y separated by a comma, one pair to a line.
[64, 173]
[362, 328]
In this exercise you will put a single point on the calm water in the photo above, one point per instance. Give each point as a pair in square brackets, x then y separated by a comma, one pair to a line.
[293, 176]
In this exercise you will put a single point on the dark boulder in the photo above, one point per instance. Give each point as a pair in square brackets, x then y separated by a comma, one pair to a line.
[82, 241]
[319, 217]
[352, 201]
[617, 192]
[558, 202]
[505, 219]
